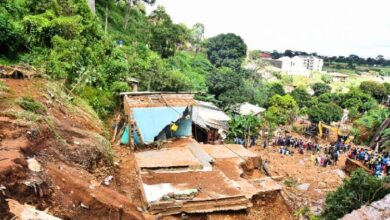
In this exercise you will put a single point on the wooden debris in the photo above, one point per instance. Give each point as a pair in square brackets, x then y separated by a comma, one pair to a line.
[28, 212]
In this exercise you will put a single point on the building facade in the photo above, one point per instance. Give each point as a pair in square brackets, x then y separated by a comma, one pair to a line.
[301, 64]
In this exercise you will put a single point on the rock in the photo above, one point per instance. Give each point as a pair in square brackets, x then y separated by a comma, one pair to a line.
[84, 206]
[34, 165]
[107, 180]
[318, 190]
[302, 162]
[303, 186]
[340, 173]
[140, 209]
[376, 210]
[322, 184]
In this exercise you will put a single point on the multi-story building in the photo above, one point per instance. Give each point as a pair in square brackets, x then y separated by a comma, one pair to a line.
[299, 64]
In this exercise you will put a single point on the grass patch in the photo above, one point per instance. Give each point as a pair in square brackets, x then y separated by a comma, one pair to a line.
[23, 115]
[29, 104]
[106, 148]
[291, 182]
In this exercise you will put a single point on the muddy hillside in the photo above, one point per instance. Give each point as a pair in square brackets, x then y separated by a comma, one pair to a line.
[54, 155]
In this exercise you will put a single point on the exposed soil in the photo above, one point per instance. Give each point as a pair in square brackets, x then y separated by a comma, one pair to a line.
[68, 142]
[301, 169]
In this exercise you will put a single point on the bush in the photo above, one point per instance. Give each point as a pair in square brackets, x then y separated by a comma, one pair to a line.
[301, 96]
[325, 112]
[326, 79]
[281, 110]
[361, 189]
[28, 104]
[321, 88]
[375, 89]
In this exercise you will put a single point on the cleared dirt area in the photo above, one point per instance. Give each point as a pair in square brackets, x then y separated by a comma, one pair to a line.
[298, 169]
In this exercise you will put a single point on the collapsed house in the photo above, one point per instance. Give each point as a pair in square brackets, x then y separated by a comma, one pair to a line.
[154, 116]
[182, 175]
[209, 123]
[193, 178]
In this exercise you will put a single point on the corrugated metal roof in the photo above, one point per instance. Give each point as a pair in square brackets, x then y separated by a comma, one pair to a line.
[248, 109]
[206, 114]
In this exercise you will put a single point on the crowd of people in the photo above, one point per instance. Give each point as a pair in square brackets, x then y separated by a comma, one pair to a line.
[378, 163]
[322, 155]
[325, 155]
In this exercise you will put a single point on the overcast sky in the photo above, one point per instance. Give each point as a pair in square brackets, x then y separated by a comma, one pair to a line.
[329, 27]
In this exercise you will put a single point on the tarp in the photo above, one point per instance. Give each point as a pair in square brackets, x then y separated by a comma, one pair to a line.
[206, 115]
[248, 109]
[151, 121]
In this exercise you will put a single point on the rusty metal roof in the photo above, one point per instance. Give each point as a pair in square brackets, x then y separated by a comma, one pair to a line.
[158, 99]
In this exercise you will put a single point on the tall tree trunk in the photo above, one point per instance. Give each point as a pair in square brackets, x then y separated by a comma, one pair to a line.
[127, 14]
[106, 19]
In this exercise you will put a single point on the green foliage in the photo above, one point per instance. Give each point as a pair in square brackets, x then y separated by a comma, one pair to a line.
[301, 96]
[321, 88]
[326, 79]
[305, 213]
[230, 87]
[102, 101]
[355, 98]
[291, 182]
[244, 127]
[166, 35]
[281, 110]
[387, 86]
[365, 126]
[375, 89]
[194, 66]
[361, 189]
[227, 50]
[325, 112]
[275, 89]
[29, 104]
[11, 38]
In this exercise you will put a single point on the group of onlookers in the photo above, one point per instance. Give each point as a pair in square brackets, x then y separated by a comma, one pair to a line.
[321, 155]
[378, 163]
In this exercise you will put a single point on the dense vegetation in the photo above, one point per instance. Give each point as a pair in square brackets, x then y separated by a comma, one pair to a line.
[361, 189]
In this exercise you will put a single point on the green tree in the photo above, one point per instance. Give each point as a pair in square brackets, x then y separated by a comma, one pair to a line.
[355, 98]
[375, 89]
[229, 86]
[361, 189]
[226, 50]
[325, 112]
[166, 36]
[301, 96]
[275, 89]
[244, 127]
[321, 88]
[10, 37]
[281, 110]
[197, 36]
[129, 4]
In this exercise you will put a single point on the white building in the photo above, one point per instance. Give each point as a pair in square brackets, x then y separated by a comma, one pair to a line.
[301, 64]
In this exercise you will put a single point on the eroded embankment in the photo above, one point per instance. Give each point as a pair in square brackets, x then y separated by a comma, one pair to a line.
[53, 154]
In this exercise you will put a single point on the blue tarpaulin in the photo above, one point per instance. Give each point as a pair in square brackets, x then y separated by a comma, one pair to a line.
[151, 121]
